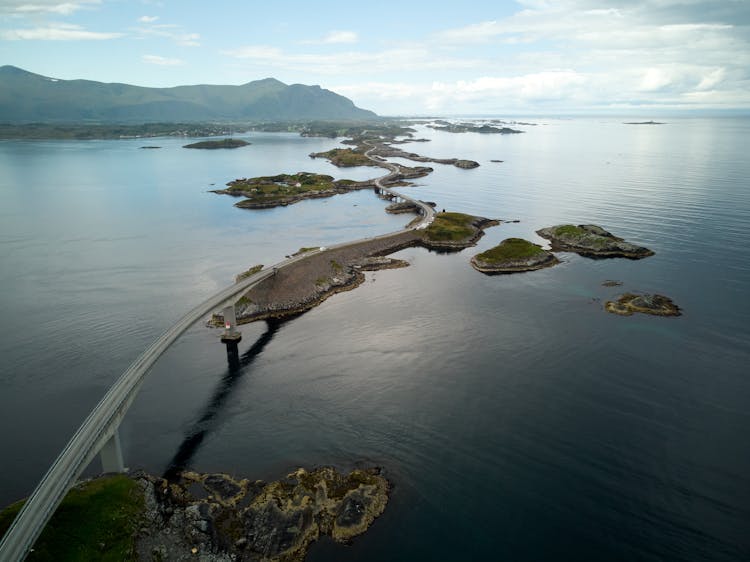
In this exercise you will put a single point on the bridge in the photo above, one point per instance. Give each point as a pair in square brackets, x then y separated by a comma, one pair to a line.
[98, 435]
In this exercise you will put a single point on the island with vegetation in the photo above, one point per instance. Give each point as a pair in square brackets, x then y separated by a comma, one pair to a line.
[591, 240]
[629, 303]
[455, 231]
[345, 157]
[214, 144]
[645, 123]
[191, 515]
[285, 189]
[513, 255]
[473, 128]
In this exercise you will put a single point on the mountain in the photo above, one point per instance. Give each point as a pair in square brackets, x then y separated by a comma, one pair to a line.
[29, 97]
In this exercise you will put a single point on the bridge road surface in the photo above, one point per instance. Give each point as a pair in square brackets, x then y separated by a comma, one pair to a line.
[103, 422]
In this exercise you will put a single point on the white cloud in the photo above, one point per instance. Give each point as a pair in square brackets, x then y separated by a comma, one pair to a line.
[24, 7]
[56, 32]
[148, 19]
[162, 61]
[170, 31]
[350, 62]
[341, 37]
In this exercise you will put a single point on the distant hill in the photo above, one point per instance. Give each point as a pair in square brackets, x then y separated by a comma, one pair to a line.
[29, 97]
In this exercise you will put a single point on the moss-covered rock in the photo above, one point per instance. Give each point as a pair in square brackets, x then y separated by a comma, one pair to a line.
[592, 241]
[657, 305]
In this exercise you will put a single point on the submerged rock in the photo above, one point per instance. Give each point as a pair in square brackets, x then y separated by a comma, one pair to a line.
[658, 305]
[592, 241]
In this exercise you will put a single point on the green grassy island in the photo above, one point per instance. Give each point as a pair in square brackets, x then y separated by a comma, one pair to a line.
[284, 189]
[223, 143]
[455, 231]
[513, 255]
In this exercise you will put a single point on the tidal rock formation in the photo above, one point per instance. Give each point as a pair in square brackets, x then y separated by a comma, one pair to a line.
[513, 255]
[658, 305]
[591, 241]
[217, 517]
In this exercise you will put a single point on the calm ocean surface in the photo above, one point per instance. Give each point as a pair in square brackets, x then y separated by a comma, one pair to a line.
[515, 418]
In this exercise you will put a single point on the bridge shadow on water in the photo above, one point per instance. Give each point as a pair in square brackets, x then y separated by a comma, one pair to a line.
[238, 366]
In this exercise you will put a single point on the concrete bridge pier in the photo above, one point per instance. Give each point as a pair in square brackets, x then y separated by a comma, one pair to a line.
[111, 454]
[231, 336]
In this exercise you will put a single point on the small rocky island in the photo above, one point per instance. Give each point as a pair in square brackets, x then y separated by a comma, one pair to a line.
[345, 157]
[284, 189]
[213, 144]
[455, 231]
[473, 128]
[591, 240]
[627, 304]
[513, 255]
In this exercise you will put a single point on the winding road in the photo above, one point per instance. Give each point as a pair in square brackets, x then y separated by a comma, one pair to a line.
[102, 423]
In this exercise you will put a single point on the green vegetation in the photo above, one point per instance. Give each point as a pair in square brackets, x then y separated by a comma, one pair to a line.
[336, 266]
[252, 271]
[570, 230]
[346, 157]
[509, 250]
[305, 249]
[96, 521]
[223, 143]
[450, 227]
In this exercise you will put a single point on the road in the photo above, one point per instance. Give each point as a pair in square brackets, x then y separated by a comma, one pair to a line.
[102, 423]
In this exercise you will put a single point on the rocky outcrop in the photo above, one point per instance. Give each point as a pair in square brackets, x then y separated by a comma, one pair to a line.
[657, 305]
[218, 517]
[592, 241]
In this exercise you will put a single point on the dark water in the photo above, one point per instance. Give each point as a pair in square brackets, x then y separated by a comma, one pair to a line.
[516, 419]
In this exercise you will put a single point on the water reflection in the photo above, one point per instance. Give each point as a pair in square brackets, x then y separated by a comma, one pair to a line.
[237, 367]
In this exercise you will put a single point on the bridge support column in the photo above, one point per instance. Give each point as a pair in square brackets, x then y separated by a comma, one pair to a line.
[231, 336]
[111, 454]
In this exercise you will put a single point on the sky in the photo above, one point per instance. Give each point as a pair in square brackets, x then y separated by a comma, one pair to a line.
[407, 58]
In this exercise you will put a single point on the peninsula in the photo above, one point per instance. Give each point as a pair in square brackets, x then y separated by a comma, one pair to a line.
[591, 241]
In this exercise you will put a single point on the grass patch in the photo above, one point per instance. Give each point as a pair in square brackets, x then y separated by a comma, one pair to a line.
[509, 250]
[570, 230]
[95, 521]
[450, 227]
[336, 266]
[252, 271]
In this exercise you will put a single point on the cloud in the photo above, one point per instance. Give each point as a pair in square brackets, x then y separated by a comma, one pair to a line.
[406, 59]
[162, 61]
[169, 31]
[56, 32]
[148, 19]
[24, 7]
[341, 37]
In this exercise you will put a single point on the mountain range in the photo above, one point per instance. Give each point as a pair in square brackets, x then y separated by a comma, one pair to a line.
[27, 97]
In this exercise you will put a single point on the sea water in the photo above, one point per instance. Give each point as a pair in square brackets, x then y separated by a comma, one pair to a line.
[514, 417]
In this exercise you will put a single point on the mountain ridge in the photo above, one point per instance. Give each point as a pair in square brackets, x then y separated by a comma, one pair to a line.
[29, 97]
